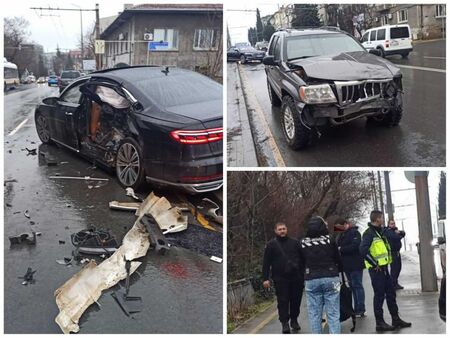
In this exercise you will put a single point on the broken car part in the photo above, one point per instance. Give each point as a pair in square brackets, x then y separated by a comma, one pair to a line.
[85, 178]
[157, 239]
[94, 241]
[28, 277]
[126, 206]
[212, 210]
[23, 239]
[86, 286]
[216, 259]
[129, 304]
[130, 192]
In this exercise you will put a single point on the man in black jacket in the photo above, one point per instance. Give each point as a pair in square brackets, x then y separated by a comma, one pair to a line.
[377, 256]
[348, 240]
[395, 237]
[282, 260]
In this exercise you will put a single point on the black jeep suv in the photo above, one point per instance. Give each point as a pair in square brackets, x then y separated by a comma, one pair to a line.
[322, 76]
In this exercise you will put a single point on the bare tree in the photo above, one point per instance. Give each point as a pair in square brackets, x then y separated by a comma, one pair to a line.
[15, 33]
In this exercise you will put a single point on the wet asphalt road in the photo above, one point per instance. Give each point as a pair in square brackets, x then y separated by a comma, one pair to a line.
[181, 291]
[419, 140]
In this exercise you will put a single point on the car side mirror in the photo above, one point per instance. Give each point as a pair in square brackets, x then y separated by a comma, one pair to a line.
[269, 60]
[375, 52]
[236, 50]
[51, 101]
[441, 240]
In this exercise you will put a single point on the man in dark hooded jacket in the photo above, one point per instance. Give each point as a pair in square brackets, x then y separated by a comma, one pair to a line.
[348, 240]
[282, 261]
[395, 237]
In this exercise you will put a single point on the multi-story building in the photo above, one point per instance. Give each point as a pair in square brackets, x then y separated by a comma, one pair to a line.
[282, 18]
[184, 35]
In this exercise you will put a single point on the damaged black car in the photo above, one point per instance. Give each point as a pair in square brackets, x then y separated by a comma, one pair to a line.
[159, 124]
[323, 77]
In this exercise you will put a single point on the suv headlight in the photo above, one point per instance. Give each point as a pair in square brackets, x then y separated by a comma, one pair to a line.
[317, 94]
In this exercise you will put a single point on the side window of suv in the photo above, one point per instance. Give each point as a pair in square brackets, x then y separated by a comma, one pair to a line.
[373, 35]
[381, 34]
[272, 45]
[277, 50]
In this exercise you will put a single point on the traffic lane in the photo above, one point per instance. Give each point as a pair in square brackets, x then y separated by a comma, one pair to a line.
[360, 144]
[20, 105]
[175, 286]
[429, 54]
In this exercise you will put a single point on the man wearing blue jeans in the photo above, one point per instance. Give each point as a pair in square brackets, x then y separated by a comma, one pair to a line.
[348, 240]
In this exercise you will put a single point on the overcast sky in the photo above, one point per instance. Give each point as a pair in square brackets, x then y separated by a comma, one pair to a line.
[240, 21]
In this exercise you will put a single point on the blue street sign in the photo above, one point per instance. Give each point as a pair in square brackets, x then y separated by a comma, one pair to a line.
[153, 45]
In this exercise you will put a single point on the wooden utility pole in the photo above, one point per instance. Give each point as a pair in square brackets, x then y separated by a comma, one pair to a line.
[387, 185]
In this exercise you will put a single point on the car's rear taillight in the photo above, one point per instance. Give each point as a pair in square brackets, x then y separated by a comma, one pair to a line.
[197, 136]
[386, 44]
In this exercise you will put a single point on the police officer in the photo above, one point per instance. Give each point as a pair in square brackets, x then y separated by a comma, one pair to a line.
[394, 237]
[282, 259]
[377, 256]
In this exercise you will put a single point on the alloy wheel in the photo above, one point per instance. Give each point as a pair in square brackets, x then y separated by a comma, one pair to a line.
[42, 128]
[289, 124]
[128, 164]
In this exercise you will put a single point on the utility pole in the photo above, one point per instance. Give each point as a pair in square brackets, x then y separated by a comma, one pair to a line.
[81, 10]
[387, 185]
[381, 194]
[426, 255]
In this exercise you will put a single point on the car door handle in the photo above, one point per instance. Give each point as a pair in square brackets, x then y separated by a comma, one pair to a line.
[68, 114]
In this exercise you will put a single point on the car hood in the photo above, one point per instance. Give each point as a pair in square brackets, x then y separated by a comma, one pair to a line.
[347, 66]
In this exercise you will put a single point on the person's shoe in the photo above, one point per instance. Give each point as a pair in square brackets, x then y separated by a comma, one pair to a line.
[294, 325]
[382, 326]
[397, 322]
[398, 287]
[360, 315]
[285, 327]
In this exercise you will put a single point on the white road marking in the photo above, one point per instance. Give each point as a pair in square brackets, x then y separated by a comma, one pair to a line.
[18, 127]
[434, 57]
[422, 68]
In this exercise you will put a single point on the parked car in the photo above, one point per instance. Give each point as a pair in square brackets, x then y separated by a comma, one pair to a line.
[389, 40]
[321, 77]
[30, 79]
[53, 80]
[167, 129]
[244, 54]
[262, 45]
[41, 79]
[67, 77]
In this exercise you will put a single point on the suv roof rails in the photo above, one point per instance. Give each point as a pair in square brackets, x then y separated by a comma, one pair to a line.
[331, 28]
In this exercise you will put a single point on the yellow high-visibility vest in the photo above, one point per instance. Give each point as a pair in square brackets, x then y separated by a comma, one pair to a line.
[380, 251]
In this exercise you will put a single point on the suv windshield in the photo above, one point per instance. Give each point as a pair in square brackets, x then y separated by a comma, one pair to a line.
[70, 75]
[399, 32]
[298, 47]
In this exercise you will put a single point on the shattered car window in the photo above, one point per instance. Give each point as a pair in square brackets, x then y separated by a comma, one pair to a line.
[179, 89]
[320, 44]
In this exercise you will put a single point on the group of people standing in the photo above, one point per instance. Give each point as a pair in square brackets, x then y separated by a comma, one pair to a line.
[314, 262]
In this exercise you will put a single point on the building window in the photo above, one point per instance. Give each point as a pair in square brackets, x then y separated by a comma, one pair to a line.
[384, 20]
[167, 39]
[402, 16]
[206, 39]
[440, 11]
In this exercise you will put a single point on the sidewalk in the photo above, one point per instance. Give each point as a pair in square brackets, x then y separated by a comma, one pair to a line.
[419, 308]
[240, 147]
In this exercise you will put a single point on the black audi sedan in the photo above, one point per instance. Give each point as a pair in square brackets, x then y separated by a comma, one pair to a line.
[157, 123]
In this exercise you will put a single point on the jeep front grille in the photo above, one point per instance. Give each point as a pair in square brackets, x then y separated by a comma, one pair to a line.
[357, 91]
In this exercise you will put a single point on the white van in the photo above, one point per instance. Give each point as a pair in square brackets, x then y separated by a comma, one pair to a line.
[389, 40]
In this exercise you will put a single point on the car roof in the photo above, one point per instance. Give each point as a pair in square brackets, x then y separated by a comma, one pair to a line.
[309, 31]
[388, 26]
[137, 73]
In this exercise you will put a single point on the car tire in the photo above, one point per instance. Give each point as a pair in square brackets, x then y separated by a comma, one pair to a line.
[243, 59]
[129, 164]
[382, 53]
[42, 128]
[390, 119]
[274, 99]
[295, 132]
[405, 55]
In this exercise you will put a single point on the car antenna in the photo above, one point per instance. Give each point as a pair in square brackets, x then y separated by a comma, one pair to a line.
[166, 70]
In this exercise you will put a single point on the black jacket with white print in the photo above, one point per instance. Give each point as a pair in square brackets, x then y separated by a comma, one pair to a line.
[319, 253]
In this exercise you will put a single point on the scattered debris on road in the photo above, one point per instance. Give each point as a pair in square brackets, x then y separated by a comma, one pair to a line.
[28, 278]
[126, 206]
[94, 241]
[23, 239]
[216, 259]
[85, 178]
[26, 213]
[31, 151]
[130, 192]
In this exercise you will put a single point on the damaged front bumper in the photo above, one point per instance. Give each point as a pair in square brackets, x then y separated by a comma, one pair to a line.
[355, 99]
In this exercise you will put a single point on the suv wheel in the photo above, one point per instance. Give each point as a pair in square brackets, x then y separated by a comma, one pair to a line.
[274, 99]
[129, 165]
[42, 128]
[295, 132]
[391, 118]
[243, 59]
[382, 54]
[405, 55]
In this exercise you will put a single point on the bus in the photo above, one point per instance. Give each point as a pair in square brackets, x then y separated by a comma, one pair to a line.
[11, 75]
